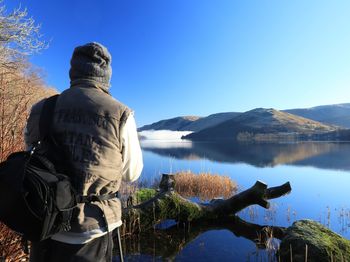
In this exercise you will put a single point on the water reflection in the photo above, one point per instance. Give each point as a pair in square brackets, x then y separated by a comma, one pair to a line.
[326, 155]
[321, 195]
[168, 244]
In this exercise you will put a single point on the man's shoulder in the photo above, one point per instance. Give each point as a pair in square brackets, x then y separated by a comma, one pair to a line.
[95, 100]
[120, 104]
[96, 95]
[36, 108]
[114, 103]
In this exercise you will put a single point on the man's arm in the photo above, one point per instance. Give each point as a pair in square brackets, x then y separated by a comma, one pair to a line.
[132, 154]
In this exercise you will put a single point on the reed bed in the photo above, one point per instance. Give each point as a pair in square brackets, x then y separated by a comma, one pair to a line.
[205, 186]
[10, 245]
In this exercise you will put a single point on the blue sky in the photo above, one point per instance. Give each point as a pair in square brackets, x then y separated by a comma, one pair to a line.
[198, 57]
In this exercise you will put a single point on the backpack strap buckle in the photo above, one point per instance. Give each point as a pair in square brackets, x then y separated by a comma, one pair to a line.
[96, 198]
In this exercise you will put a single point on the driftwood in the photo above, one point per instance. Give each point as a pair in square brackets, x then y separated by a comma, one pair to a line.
[168, 204]
[193, 219]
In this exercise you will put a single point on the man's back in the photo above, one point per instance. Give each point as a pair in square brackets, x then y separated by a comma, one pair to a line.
[87, 125]
[98, 137]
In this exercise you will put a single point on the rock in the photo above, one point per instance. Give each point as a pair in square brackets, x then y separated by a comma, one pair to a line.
[318, 243]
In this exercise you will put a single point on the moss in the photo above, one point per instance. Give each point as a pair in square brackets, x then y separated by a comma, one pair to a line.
[323, 244]
[169, 206]
[177, 208]
[145, 194]
[190, 212]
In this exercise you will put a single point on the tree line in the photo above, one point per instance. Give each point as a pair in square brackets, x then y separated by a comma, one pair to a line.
[21, 85]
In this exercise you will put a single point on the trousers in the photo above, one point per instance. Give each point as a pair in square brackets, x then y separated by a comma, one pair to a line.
[97, 250]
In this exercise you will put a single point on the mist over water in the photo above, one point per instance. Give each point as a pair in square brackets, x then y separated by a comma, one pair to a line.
[163, 135]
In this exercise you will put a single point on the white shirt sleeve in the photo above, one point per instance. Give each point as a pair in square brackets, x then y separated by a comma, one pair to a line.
[132, 154]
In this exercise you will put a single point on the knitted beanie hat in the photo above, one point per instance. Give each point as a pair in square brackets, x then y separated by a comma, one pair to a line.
[91, 62]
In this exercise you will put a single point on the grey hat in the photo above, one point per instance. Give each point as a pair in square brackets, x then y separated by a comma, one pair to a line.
[91, 62]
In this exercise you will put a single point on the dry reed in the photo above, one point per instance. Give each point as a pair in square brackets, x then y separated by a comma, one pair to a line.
[205, 186]
[10, 245]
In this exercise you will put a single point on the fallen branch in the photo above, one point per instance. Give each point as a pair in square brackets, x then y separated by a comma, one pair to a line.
[168, 204]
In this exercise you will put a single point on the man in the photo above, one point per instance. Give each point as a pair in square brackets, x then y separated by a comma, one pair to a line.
[99, 137]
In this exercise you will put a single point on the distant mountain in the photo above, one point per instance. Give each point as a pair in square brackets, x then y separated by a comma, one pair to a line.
[338, 114]
[265, 124]
[173, 124]
[190, 123]
[210, 120]
[262, 124]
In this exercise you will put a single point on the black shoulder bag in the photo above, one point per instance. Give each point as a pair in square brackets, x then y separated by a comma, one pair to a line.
[36, 197]
[36, 200]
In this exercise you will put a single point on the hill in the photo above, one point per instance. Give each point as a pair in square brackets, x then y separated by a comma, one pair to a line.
[338, 114]
[262, 124]
[173, 124]
[190, 123]
[211, 120]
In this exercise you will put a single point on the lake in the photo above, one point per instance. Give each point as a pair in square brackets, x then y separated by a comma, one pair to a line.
[319, 174]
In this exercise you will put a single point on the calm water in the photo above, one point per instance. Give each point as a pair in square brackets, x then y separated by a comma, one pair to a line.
[319, 174]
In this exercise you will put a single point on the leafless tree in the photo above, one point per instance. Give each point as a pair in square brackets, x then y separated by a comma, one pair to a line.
[19, 34]
[19, 90]
[21, 85]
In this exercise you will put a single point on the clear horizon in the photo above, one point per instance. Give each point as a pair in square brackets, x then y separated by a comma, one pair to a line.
[176, 58]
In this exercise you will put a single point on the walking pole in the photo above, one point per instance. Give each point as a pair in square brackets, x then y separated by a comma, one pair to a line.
[120, 246]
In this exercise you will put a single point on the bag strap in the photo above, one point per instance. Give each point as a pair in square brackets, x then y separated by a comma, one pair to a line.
[46, 117]
[95, 198]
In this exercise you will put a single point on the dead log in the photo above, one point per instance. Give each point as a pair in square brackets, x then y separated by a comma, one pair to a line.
[167, 204]
[259, 194]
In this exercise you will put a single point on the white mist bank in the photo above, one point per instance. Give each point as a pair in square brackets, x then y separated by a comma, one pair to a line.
[166, 135]
[166, 144]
